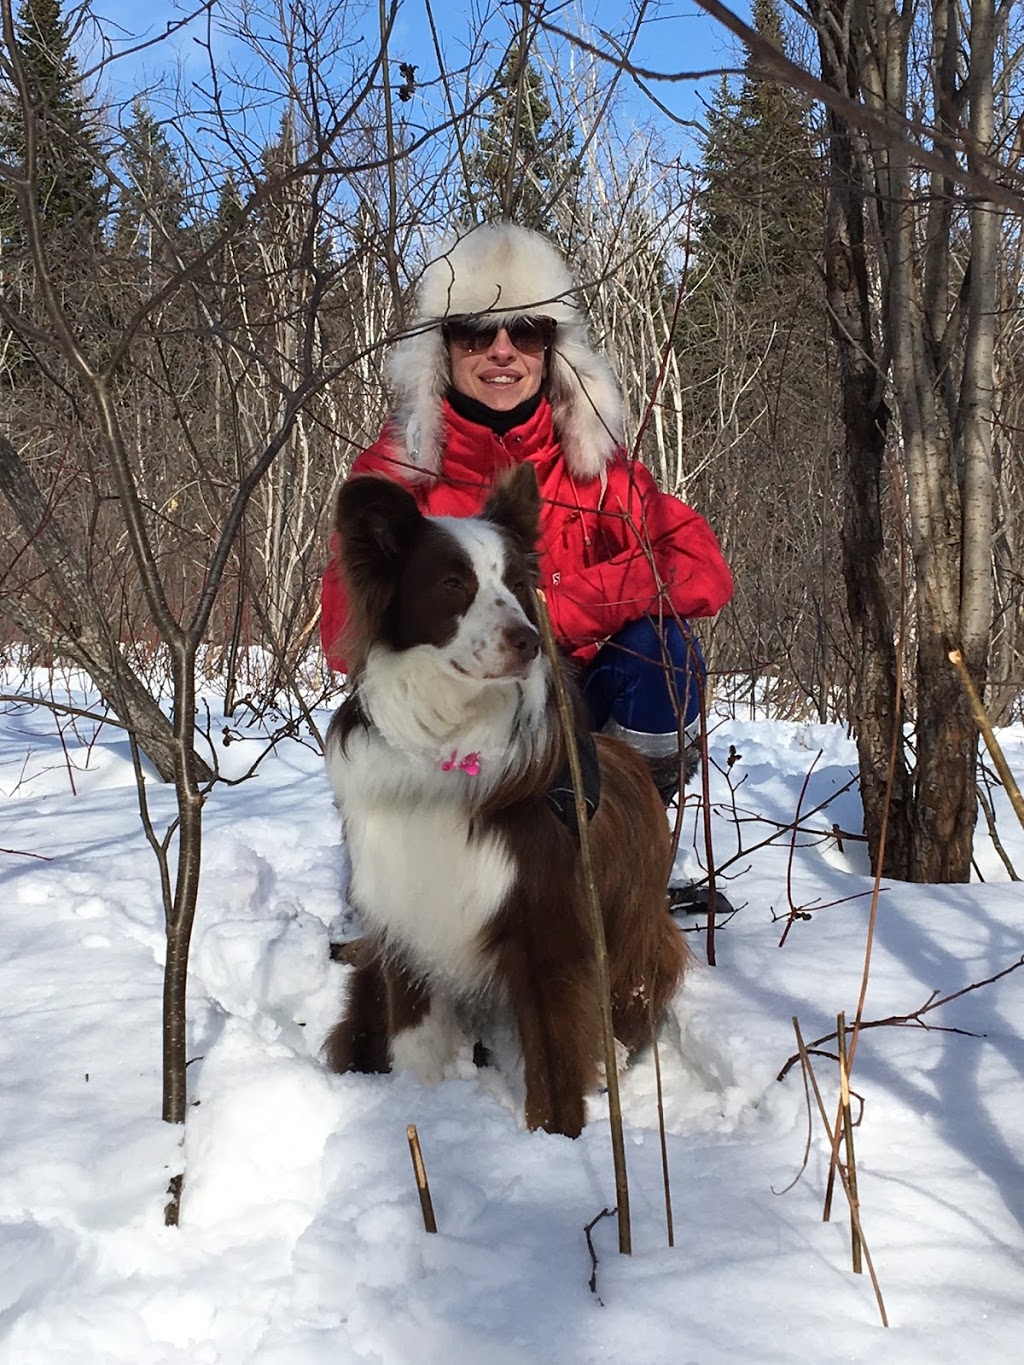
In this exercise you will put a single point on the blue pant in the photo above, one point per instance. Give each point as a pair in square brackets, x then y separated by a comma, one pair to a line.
[647, 673]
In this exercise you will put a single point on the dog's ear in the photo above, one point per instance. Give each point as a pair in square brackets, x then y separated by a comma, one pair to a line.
[375, 519]
[514, 504]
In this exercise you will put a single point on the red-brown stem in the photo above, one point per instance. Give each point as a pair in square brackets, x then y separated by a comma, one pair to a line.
[854, 1214]
[666, 1181]
[597, 928]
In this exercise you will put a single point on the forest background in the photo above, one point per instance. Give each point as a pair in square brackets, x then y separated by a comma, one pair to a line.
[811, 287]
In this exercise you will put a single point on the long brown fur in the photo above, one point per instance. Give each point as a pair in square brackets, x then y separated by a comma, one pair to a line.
[543, 944]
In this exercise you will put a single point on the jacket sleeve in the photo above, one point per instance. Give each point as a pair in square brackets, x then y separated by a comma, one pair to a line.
[333, 610]
[333, 594]
[661, 556]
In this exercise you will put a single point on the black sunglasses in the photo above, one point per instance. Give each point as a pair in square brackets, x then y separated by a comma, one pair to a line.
[530, 335]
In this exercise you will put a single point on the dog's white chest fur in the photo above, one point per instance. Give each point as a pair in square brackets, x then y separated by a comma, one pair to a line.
[419, 871]
[418, 875]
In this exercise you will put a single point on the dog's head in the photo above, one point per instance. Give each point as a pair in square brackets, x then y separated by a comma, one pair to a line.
[461, 587]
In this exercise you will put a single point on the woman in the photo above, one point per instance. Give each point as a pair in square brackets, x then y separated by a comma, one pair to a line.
[496, 369]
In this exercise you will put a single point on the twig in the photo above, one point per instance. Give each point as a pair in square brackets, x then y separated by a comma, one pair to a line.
[807, 1141]
[60, 708]
[587, 1230]
[23, 853]
[988, 810]
[808, 910]
[597, 929]
[985, 726]
[792, 849]
[666, 1180]
[422, 1184]
[709, 852]
[854, 1214]
[914, 1018]
[780, 829]
[851, 1163]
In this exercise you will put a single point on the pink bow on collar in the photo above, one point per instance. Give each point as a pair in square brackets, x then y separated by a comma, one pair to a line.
[469, 765]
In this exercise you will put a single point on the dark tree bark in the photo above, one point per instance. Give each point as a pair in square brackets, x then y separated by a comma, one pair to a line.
[878, 696]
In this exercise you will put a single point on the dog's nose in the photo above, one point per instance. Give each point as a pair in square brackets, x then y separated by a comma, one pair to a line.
[523, 641]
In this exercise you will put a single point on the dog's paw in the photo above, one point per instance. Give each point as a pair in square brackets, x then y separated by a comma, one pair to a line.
[431, 1048]
[621, 1062]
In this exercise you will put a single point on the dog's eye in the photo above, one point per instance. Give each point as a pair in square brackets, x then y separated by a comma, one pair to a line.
[454, 582]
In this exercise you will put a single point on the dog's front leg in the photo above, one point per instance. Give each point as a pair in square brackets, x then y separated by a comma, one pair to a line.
[359, 1041]
[559, 1031]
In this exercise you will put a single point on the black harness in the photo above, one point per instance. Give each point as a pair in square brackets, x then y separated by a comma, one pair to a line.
[561, 797]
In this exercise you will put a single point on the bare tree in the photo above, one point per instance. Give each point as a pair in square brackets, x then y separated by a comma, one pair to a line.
[932, 311]
[238, 325]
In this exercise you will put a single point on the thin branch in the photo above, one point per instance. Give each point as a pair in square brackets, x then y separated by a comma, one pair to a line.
[854, 1212]
[914, 1019]
[894, 130]
[597, 928]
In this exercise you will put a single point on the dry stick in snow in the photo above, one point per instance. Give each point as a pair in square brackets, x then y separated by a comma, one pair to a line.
[597, 928]
[422, 1184]
[705, 782]
[854, 1213]
[890, 780]
[851, 1164]
[669, 1226]
[643, 538]
[985, 726]
[988, 810]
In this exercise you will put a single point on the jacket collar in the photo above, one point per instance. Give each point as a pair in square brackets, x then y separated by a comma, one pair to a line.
[471, 449]
[439, 434]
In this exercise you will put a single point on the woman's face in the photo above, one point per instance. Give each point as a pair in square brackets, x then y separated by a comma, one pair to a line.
[494, 370]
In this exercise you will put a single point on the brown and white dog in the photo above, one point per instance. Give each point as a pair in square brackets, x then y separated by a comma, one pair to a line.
[469, 885]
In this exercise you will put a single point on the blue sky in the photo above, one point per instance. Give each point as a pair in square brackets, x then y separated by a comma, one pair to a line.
[678, 37]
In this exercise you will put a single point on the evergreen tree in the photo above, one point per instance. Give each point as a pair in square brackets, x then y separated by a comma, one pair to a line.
[151, 199]
[753, 341]
[523, 159]
[760, 209]
[67, 194]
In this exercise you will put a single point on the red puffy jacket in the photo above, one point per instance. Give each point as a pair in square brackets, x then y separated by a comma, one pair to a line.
[612, 548]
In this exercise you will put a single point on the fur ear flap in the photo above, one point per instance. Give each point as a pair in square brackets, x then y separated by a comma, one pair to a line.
[514, 504]
[374, 518]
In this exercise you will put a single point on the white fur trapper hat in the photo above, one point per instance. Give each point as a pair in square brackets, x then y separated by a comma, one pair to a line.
[505, 271]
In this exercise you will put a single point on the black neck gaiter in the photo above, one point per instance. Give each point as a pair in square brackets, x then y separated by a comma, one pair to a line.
[501, 423]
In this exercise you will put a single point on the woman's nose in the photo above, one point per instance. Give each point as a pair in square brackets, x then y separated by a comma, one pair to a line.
[501, 347]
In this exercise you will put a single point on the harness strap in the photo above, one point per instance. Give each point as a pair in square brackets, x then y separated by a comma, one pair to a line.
[561, 797]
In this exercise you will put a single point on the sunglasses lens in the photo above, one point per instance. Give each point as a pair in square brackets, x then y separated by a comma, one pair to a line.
[468, 336]
[529, 335]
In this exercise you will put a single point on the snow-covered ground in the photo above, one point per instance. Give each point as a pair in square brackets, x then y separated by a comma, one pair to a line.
[301, 1239]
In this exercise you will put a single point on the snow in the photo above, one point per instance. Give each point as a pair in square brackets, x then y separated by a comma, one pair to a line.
[301, 1239]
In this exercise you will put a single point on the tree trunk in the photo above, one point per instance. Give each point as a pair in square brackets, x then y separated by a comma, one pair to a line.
[878, 696]
[182, 911]
[946, 803]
